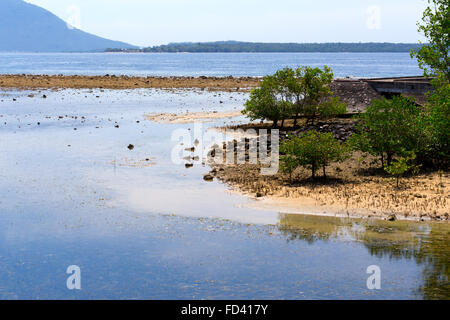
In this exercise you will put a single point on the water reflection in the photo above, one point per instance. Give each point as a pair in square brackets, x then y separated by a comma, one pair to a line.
[426, 244]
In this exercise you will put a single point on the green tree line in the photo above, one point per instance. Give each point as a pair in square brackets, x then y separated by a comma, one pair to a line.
[235, 46]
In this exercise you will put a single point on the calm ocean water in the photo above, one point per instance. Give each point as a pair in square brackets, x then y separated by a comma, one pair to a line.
[209, 64]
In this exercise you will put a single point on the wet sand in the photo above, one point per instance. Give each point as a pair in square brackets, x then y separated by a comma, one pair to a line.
[351, 190]
[126, 82]
[183, 118]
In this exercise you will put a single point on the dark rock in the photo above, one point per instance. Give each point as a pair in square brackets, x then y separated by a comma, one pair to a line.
[208, 177]
[391, 217]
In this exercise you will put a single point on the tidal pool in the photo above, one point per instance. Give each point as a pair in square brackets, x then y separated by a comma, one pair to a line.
[151, 229]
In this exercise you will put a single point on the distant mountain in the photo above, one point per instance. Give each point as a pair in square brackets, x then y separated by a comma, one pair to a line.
[235, 46]
[26, 27]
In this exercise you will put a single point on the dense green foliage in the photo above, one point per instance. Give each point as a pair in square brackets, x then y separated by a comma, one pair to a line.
[313, 95]
[235, 46]
[438, 116]
[434, 58]
[272, 100]
[313, 150]
[391, 128]
[304, 91]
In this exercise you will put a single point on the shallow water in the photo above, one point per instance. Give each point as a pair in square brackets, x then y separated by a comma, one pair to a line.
[209, 64]
[68, 197]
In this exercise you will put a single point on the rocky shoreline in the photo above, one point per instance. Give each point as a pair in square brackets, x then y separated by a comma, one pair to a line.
[126, 82]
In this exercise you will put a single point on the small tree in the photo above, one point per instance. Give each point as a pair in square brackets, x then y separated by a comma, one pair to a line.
[304, 91]
[391, 128]
[262, 104]
[313, 151]
[272, 100]
[400, 166]
[434, 57]
[313, 94]
[289, 162]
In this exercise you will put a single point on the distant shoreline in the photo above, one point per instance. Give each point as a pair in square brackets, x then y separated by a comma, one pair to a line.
[260, 47]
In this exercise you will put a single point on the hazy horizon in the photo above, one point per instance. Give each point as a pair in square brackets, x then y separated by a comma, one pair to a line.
[206, 21]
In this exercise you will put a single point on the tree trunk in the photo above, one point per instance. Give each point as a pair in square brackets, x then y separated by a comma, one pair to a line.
[313, 169]
[389, 159]
[295, 120]
[324, 172]
[275, 123]
[282, 123]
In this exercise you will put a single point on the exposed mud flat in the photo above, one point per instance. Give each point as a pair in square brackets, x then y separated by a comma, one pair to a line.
[127, 82]
[352, 189]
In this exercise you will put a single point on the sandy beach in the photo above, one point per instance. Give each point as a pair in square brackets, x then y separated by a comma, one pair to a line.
[173, 118]
[424, 197]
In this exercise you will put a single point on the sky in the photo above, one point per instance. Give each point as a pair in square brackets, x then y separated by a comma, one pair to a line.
[156, 22]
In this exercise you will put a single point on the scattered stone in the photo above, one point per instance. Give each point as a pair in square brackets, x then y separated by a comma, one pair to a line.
[391, 217]
[208, 177]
